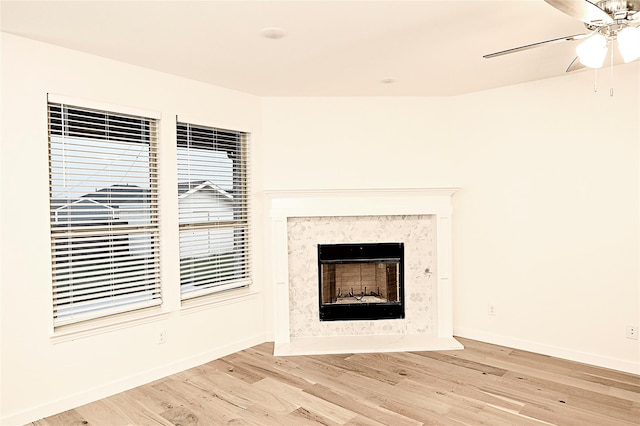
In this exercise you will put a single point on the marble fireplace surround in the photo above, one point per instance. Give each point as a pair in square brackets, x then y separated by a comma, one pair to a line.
[433, 202]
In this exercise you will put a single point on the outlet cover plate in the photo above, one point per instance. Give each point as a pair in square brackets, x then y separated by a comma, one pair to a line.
[491, 310]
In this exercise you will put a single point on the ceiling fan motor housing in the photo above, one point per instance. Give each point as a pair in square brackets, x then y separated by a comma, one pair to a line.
[623, 12]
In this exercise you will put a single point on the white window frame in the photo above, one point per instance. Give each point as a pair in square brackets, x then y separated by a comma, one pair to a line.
[202, 169]
[140, 226]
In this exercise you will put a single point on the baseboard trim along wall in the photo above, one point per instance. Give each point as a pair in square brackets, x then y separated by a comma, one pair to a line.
[121, 385]
[544, 349]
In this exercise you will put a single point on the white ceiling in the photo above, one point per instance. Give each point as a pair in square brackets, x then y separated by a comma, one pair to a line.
[332, 48]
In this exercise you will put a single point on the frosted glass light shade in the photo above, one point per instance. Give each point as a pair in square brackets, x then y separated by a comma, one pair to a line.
[592, 51]
[629, 43]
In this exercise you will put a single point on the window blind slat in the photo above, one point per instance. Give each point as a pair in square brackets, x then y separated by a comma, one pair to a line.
[90, 273]
[111, 290]
[191, 291]
[104, 212]
[111, 252]
[212, 275]
[115, 305]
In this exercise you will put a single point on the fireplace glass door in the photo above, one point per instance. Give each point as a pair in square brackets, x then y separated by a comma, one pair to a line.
[361, 281]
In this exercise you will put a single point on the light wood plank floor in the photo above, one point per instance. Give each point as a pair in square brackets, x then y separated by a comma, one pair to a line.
[481, 385]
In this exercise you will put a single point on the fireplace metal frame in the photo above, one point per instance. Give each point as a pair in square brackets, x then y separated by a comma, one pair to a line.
[362, 253]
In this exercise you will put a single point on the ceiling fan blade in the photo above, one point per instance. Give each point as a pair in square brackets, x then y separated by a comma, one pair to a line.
[583, 10]
[575, 65]
[533, 45]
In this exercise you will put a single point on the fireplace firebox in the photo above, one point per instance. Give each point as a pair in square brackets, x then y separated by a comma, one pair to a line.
[362, 281]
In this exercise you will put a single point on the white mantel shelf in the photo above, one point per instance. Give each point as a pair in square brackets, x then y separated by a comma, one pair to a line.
[359, 202]
[368, 202]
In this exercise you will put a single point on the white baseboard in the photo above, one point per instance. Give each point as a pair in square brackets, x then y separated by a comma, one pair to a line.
[544, 349]
[72, 401]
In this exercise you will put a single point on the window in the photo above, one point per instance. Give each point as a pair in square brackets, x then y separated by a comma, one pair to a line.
[104, 213]
[213, 209]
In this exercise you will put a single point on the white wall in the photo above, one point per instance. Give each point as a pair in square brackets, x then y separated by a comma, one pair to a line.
[546, 222]
[561, 265]
[40, 376]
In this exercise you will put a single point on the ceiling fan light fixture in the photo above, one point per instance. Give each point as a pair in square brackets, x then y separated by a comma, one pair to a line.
[629, 43]
[592, 51]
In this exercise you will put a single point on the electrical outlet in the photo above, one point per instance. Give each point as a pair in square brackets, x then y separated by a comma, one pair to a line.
[491, 310]
[632, 332]
[162, 337]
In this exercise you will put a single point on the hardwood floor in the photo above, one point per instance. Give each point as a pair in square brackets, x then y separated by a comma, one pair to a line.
[481, 385]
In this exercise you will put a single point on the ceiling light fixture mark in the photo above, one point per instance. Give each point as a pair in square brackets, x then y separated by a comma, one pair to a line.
[273, 33]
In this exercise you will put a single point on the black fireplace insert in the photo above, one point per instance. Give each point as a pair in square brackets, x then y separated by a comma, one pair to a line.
[362, 281]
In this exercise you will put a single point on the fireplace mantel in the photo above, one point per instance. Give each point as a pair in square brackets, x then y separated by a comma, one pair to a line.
[436, 202]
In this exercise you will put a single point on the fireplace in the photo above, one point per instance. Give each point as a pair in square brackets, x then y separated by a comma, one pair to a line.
[420, 218]
[363, 281]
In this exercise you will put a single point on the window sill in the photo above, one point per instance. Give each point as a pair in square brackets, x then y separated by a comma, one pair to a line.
[105, 325]
[145, 316]
[198, 304]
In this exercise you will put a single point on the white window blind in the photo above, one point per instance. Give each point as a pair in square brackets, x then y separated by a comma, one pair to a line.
[104, 213]
[213, 209]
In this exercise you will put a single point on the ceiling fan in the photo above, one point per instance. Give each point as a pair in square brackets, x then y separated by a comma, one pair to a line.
[606, 21]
